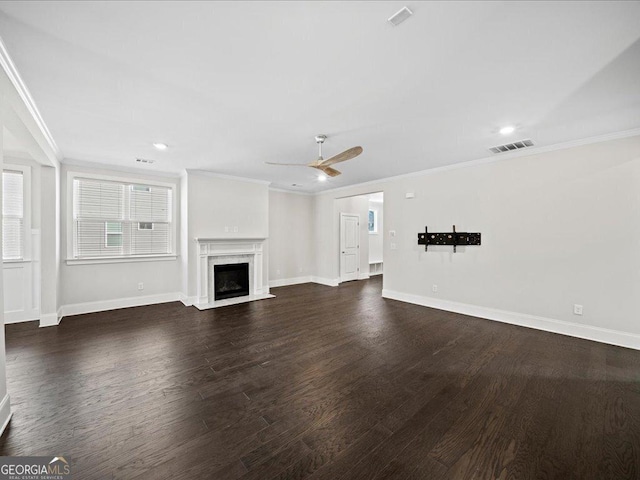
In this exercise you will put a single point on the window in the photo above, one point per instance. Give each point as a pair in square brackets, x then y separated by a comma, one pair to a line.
[373, 221]
[12, 215]
[114, 234]
[120, 219]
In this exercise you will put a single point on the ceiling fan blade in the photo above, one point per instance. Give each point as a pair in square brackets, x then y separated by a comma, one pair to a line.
[332, 172]
[288, 164]
[341, 157]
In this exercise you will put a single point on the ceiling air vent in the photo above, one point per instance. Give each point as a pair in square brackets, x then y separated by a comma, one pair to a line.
[400, 16]
[507, 147]
[144, 160]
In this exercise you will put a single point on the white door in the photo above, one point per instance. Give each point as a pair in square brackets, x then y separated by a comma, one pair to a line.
[349, 246]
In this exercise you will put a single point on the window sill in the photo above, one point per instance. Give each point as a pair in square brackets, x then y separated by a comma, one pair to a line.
[132, 259]
[16, 261]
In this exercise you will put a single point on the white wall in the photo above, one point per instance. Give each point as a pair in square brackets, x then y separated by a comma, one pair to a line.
[290, 238]
[108, 285]
[184, 236]
[558, 229]
[222, 207]
[376, 239]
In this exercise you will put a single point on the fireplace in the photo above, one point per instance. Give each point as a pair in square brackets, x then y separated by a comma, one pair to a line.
[214, 252]
[230, 280]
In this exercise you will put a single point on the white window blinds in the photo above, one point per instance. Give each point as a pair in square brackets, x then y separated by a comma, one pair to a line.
[116, 219]
[12, 215]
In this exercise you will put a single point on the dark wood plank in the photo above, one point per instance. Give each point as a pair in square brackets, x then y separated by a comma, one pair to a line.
[320, 383]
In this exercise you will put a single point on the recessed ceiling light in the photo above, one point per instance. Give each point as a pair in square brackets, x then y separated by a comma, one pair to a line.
[507, 130]
[322, 178]
[161, 146]
[400, 16]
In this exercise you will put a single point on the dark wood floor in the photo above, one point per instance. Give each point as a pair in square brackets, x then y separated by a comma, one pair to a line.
[320, 383]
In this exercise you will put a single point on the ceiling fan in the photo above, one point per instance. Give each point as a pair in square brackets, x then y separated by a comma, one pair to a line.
[325, 165]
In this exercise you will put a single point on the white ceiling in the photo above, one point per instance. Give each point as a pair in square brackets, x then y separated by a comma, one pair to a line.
[229, 85]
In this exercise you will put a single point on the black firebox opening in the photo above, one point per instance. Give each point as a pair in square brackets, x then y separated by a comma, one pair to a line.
[231, 280]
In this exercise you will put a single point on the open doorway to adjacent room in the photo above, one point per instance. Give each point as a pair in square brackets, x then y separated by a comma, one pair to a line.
[361, 226]
[375, 225]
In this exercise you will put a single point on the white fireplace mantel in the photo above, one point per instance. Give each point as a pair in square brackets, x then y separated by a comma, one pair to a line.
[215, 250]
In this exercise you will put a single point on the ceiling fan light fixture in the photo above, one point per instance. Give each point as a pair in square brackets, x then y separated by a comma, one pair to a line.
[325, 166]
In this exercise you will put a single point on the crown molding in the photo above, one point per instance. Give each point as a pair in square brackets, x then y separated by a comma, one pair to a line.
[14, 76]
[70, 162]
[208, 173]
[495, 158]
[283, 190]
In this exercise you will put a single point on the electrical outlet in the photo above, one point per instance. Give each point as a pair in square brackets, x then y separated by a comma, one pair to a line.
[235, 229]
[577, 309]
[434, 288]
[392, 233]
[141, 286]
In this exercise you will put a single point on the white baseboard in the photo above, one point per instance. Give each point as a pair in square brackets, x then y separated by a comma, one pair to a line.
[50, 319]
[101, 306]
[363, 276]
[188, 301]
[283, 282]
[21, 316]
[5, 413]
[326, 281]
[588, 332]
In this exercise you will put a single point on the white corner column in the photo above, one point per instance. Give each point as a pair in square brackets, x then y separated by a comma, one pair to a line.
[50, 246]
[5, 400]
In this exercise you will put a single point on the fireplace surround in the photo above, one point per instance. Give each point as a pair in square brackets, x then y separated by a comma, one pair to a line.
[214, 252]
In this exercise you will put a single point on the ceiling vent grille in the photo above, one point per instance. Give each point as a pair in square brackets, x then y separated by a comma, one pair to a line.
[508, 147]
[400, 16]
[144, 160]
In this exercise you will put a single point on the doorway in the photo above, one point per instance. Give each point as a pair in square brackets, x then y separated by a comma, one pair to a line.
[375, 229]
[349, 246]
[361, 236]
